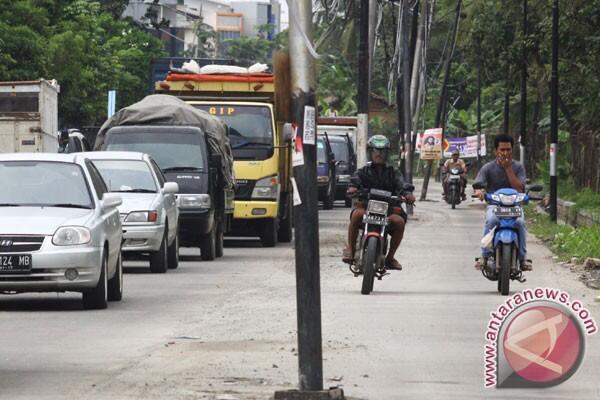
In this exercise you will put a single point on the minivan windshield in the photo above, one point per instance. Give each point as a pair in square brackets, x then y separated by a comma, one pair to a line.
[43, 183]
[126, 176]
[175, 151]
[339, 146]
[321, 151]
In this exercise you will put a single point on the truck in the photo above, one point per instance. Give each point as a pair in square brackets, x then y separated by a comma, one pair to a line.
[256, 115]
[29, 116]
[191, 148]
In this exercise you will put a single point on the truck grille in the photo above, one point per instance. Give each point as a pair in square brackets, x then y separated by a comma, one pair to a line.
[17, 244]
[243, 189]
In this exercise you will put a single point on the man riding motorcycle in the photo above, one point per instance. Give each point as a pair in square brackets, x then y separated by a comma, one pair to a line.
[455, 162]
[501, 173]
[377, 175]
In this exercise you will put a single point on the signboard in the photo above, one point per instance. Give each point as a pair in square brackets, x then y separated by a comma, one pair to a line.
[431, 145]
[467, 146]
[309, 125]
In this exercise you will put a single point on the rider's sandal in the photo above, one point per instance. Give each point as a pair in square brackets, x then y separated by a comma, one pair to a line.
[526, 265]
[393, 265]
[348, 256]
[479, 263]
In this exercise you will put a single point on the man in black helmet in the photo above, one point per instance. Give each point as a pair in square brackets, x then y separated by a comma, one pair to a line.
[378, 175]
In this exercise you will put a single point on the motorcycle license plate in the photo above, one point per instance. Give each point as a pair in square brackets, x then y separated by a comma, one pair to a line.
[376, 219]
[508, 212]
[15, 263]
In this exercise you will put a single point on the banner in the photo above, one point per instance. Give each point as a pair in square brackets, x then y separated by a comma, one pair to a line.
[431, 144]
[467, 146]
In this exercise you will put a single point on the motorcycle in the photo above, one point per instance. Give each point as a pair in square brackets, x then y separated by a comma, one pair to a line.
[370, 262]
[504, 237]
[454, 186]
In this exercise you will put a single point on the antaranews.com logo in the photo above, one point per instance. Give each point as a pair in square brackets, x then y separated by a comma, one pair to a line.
[536, 338]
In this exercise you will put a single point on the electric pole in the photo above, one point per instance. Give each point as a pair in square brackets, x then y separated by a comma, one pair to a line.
[554, 114]
[363, 84]
[523, 141]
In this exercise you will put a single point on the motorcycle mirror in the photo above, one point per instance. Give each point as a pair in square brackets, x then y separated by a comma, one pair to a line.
[536, 188]
[478, 186]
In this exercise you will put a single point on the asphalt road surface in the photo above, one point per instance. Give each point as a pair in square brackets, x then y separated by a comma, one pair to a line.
[225, 330]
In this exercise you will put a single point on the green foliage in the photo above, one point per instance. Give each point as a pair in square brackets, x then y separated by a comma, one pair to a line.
[249, 50]
[83, 46]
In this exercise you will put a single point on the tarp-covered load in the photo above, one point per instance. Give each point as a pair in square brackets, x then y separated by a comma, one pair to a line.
[160, 109]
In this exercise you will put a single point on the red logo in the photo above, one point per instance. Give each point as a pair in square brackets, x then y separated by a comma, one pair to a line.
[543, 344]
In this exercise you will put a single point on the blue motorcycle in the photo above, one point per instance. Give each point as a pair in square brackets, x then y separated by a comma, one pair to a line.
[505, 241]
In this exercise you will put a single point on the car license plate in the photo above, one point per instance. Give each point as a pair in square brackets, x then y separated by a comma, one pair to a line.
[15, 263]
[508, 212]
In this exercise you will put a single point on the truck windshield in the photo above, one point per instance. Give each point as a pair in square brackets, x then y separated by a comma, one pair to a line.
[321, 151]
[340, 148]
[250, 127]
[170, 150]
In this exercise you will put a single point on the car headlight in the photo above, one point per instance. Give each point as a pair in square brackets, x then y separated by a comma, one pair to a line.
[71, 235]
[343, 178]
[193, 201]
[322, 179]
[508, 199]
[266, 188]
[142, 216]
[377, 207]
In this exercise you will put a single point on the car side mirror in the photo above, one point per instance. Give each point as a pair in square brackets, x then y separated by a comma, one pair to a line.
[111, 200]
[478, 186]
[216, 161]
[287, 132]
[170, 188]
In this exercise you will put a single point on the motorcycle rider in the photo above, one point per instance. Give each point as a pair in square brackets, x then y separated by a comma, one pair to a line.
[502, 173]
[377, 175]
[455, 162]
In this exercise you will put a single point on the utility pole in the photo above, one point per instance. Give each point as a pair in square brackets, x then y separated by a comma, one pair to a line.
[440, 113]
[479, 66]
[523, 141]
[406, 77]
[306, 217]
[554, 114]
[363, 84]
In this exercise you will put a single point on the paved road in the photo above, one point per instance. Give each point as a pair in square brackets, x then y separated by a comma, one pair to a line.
[226, 329]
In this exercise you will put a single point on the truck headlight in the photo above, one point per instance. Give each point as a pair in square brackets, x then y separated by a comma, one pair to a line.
[322, 179]
[343, 178]
[266, 188]
[71, 236]
[193, 201]
[142, 216]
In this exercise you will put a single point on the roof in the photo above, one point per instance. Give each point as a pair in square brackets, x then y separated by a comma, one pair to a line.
[56, 157]
[348, 121]
[114, 155]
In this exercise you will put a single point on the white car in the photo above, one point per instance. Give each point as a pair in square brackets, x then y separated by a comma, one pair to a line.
[149, 212]
[59, 228]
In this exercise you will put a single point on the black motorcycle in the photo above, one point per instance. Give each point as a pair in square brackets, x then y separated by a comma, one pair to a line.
[374, 234]
[454, 186]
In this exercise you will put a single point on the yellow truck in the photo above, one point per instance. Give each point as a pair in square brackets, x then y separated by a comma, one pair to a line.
[261, 145]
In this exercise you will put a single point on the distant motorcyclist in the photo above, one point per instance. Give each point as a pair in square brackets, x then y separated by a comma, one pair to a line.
[377, 175]
[502, 173]
[455, 162]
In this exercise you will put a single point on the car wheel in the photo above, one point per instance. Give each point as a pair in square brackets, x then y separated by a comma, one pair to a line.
[115, 284]
[158, 259]
[97, 298]
[173, 256]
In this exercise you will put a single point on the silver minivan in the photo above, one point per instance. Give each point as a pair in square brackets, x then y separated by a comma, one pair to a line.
[149, 212]
[59, 228]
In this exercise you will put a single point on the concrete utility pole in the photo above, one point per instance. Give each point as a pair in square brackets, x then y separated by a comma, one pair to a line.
[554, 115]
[523, 141]
[363, 84]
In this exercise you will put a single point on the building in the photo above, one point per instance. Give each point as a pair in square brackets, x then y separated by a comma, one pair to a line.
[258, 13]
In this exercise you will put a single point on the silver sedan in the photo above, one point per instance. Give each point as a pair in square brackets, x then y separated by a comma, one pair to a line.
[59, 228]
[149, 212]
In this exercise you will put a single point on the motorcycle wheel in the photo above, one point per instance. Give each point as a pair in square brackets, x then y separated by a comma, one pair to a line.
[453, 198]
[369, 265]
[505, 261]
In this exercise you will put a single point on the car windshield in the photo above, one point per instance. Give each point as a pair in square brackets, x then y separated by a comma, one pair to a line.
[248, 125]
[340, 148]
[170, 150]
[126, 175]
[321, 151]
[43, 183]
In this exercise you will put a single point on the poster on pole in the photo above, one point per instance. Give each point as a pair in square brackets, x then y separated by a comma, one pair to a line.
[466, 146]
[309, 125]
[431, 145]
[298, 153]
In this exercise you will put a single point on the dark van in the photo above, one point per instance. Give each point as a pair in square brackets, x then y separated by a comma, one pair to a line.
[345, 165]
[325, 172]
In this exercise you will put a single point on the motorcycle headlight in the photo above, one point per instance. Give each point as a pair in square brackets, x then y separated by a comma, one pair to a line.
[377, 207]
[521, 197]
[454, 171]
[193, 201]
[142, 216]
[266, 188]
[71, 236]
[495, 197]
[322, 179]
[343, 178]
[508, 199]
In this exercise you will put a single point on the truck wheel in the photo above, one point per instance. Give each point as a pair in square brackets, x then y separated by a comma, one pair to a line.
[330, 197]
[268, 232]
[348, 201]
[285, 225]
[208, 245]
[219, 240]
